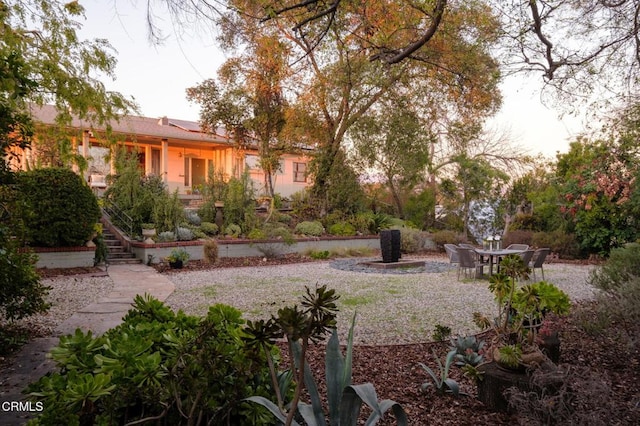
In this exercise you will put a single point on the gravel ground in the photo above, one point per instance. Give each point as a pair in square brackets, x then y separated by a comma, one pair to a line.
[391, 308]
[68, 294]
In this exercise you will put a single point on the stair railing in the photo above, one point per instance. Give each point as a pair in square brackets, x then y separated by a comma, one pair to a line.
[120, 217]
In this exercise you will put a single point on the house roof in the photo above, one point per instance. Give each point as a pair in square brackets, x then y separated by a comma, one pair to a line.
[162, 128]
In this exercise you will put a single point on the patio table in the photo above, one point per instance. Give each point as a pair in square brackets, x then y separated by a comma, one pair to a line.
[497, 255]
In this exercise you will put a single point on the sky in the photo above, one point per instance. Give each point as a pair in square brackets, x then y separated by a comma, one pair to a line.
[157, 76]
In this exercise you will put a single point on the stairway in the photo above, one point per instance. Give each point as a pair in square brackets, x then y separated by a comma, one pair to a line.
[117, 253]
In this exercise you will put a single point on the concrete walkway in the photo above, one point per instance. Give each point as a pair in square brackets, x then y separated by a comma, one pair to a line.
[31, 362]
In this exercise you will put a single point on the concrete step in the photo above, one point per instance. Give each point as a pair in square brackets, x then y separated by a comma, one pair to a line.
[125, 261]
[121, 255]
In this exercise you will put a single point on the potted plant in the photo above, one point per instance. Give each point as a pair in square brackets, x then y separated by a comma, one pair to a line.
[148, 231]
[178, 258]
[521, 312]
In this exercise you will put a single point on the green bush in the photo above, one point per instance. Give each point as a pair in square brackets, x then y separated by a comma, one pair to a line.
[302, 205]
[441, 238]
[257, 234]
[524, 222]
[59, 209]
[412, 240]
[313, 229]
[622, 266]
[209, 228]
[170, 367]
[134, 194]
[518, 237]
[343, 229]
[233, 230]
[565, 245]
[168, 212]
[21, 293]
[239, 203]
[279, 231]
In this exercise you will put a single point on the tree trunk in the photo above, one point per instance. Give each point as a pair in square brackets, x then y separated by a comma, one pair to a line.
[495, 381]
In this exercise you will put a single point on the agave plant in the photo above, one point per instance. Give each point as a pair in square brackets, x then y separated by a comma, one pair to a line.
[344, 400]
[441, 381]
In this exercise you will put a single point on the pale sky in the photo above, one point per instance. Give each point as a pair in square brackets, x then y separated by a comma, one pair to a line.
[157, 77]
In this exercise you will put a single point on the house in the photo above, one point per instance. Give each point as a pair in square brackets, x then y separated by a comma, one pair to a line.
[177, 150]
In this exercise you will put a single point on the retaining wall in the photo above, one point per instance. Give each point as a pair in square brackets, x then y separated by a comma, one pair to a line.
[154, 253]
[65, 257]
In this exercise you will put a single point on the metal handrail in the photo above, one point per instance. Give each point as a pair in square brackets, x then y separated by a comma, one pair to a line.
[121, 217]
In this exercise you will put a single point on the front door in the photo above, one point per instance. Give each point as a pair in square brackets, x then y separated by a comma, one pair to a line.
[198, 171]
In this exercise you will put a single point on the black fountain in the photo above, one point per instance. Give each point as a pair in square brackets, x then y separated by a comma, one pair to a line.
[390, 242]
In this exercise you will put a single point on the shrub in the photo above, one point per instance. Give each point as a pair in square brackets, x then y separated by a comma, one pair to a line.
[239, 204]
[524, 222]
[210, 248]
[518, 237]
[59, 209]
[192, 217]
[313, 229]
[209, 228]
[168, 212]
[257, 234]
[441, 238]
[565, 245]
[166, 236]
[184, 234]
[302, 205]
[364, 222]
[412, 240]
[441, 333]
[176, 368]
[134, 194]
[281, 217]
[622, 266]
[343, 229]
[21, 293]
[319, 254]
[280, 232]
[233, 230]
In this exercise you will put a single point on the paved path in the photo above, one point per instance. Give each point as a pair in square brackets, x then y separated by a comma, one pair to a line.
[31, 362]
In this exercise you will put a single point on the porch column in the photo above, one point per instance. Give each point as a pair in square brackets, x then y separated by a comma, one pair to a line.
[148, 167]
[112, 162]
[85, 148]
[74, 149]
[164, 161]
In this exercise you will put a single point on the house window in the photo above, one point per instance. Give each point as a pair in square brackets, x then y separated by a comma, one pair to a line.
[299, 172]
[155, 162]
[252, 161]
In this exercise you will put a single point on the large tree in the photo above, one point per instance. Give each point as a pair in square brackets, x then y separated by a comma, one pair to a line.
[578, 47]
[248, 100]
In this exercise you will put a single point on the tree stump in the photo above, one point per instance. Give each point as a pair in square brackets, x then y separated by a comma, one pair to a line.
[495, 381]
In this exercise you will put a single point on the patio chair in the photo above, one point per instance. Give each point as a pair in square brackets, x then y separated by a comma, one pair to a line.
[468, 261]
[537, 261]
[522, 247]
[452, 252]
[526, 256]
